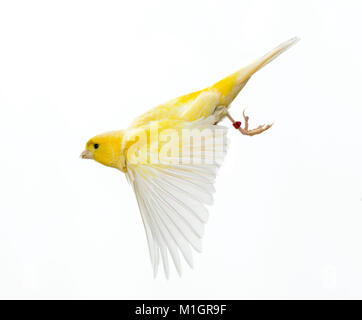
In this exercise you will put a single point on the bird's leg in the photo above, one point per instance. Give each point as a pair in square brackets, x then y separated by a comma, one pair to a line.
[245, 130]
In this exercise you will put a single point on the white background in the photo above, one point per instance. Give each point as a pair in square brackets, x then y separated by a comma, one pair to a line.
[287, 218]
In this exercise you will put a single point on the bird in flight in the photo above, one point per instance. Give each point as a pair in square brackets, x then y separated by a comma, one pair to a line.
[170, 156]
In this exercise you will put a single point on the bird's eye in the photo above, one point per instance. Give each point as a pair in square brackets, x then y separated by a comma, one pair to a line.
[96, 145]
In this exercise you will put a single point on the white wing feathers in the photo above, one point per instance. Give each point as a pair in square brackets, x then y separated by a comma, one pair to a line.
[172, 200]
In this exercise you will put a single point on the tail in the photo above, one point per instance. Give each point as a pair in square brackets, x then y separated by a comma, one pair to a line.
[231, 85]
[247, 72]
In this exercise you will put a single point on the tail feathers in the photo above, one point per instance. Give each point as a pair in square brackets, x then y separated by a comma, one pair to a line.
[230, 86]
[270, 56]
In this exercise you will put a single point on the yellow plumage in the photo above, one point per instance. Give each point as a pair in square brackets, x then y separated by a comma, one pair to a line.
[162, 190]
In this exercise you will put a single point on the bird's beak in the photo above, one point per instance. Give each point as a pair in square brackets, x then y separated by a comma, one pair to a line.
[86, 155]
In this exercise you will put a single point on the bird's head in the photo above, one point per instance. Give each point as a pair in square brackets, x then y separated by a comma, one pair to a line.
[106, 148]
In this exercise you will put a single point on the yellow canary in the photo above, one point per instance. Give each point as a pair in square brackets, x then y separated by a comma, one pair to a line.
[170, 156]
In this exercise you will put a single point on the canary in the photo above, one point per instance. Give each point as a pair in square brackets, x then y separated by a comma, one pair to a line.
[170, 156]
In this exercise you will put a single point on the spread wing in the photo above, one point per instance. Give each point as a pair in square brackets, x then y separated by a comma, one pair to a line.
[172, 193]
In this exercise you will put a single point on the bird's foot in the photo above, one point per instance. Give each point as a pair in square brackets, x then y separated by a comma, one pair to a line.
[246, 131]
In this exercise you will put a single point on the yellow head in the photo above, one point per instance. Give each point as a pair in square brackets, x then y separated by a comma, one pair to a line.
[106, 149]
